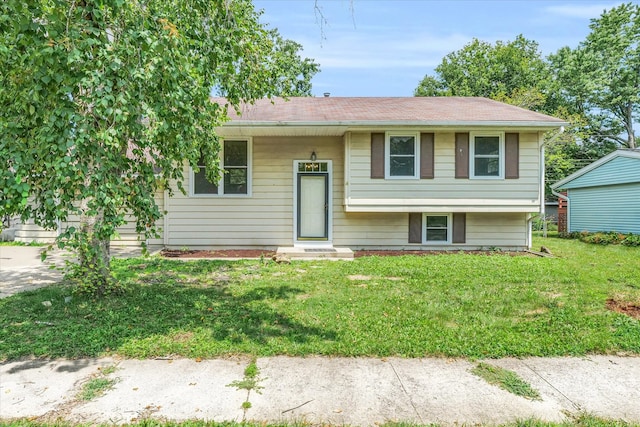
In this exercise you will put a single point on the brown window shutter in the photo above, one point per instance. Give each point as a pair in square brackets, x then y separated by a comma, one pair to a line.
[459, 227]
[377, 156]
[462, 155]
[426, 155]
[415, 227]
[512, 155]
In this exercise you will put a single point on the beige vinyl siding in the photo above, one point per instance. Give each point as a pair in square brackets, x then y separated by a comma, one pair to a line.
[264, 218]
[361, 230]
[28, 232]
[444, 185]
[506, 230]
[127, 236]
[390, 231]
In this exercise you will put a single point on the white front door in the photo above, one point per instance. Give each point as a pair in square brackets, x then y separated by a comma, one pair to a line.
[312, 202]
[312, 213]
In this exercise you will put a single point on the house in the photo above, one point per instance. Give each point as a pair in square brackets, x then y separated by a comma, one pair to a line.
[436, 173]
[605, 195]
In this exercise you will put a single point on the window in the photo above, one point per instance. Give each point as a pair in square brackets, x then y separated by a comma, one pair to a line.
[436, 229]
[235, 163]
[487, 156]
[402, 154]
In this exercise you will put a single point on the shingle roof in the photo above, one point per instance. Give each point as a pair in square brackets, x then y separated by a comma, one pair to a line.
[410, 110]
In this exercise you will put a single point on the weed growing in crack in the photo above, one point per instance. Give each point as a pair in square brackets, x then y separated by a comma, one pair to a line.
[506, 380]
[98, 384]
[250, 382]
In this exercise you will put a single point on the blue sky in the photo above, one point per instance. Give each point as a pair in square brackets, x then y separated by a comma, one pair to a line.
[385, 47]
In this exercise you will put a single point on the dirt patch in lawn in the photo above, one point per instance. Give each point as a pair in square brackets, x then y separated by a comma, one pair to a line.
[225, 253]
[624, 307]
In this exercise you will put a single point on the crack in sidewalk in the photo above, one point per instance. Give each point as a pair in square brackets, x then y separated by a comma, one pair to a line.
[404, 390]
[574, 404]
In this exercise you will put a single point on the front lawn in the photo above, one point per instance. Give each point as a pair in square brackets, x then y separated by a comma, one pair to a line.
[456, 305]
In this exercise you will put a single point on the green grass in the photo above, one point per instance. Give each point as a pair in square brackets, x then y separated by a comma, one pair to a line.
[14, 243]
[506, 380]
[455, 305]
[95, 387]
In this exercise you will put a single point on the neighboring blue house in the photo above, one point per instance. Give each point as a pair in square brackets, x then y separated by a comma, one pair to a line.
[604, 196]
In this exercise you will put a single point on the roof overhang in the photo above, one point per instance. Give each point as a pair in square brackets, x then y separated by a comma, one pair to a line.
[261, 128]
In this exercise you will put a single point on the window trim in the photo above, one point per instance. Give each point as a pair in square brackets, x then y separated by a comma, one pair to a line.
[220, 183]
[472, 156]
[416, 154]
[449, 216]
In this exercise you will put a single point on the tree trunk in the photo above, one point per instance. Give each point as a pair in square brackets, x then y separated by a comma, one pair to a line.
[628, 123]
[93, 271]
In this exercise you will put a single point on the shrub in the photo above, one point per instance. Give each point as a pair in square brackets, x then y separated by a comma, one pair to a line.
[603, 237]
[631, 240]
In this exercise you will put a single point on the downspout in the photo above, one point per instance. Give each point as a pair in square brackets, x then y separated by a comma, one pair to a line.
[542, 180]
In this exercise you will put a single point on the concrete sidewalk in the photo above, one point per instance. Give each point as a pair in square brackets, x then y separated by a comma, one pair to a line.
[337, 391]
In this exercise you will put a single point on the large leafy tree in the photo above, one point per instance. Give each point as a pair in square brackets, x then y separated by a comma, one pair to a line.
[601, 77]
[512, 71]
[103, 101]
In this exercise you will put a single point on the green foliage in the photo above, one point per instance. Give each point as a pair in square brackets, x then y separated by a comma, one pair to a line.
[104, 101]
[601, 76]
[512, 72]
[604, 238]
[251, 380]
[506, 380]
[457, 305]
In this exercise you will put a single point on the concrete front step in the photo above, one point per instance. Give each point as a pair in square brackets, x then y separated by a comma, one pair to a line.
[297, 253]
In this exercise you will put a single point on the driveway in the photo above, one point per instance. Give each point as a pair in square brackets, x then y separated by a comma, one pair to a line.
[21, 267]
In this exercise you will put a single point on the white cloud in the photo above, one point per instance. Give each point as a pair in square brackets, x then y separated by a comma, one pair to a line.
[581, 10]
